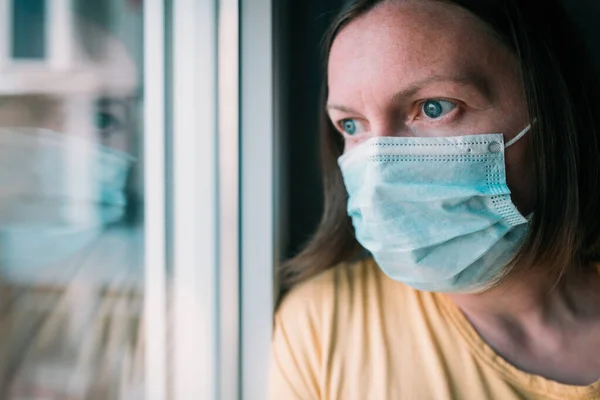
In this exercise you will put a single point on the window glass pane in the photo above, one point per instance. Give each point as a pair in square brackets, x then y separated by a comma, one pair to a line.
[28, 28]
[71, 201]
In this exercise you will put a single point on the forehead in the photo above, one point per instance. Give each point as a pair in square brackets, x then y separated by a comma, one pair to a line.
[400, 42]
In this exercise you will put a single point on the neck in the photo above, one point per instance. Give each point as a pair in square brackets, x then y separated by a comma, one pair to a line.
[539, 326]
[532, 298]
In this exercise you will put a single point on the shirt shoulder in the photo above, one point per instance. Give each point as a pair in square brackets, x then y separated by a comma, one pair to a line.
[319, 300]
[307, 325]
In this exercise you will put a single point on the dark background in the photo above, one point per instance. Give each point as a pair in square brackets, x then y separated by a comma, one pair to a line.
[300, 27]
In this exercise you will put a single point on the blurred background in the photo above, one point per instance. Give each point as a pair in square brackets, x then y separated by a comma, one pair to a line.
[158, 159]
[71, 199]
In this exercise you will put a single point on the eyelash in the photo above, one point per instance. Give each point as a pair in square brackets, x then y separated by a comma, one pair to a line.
[419, 106]
[458, 108]
[340, 127]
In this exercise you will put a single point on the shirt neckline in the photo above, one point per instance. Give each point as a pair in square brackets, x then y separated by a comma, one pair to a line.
[531, 383]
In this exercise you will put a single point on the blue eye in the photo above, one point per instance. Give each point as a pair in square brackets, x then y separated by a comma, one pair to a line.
[434, 109]
[106, 123]
[350, 126]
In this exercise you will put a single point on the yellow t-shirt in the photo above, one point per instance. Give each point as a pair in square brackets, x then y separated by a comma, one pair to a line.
[352, 333]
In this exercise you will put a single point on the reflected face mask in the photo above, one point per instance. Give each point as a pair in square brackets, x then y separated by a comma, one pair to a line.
[435, 212]
[57, 192]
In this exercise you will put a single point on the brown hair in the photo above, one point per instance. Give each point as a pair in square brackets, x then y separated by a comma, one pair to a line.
[562, 96]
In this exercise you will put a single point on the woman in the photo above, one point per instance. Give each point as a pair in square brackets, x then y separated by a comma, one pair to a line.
[468, 171]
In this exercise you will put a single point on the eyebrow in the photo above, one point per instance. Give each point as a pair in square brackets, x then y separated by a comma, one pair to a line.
[466, 80]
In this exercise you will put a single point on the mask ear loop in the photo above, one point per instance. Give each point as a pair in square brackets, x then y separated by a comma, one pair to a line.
[518, 137]
[515, 140]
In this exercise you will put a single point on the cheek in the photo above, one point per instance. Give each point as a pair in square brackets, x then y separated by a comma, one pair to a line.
[352, 142]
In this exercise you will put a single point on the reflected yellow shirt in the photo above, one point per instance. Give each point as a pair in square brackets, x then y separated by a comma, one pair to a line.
[352, 333]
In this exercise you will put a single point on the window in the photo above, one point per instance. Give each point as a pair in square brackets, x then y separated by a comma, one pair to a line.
[29, 29]
[71, 210]
[139, 200]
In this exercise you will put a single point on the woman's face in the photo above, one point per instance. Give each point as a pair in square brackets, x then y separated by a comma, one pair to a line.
[427, 68]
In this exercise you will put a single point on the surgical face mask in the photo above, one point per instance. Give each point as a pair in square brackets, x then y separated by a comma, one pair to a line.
[435, 212]
[57, 192]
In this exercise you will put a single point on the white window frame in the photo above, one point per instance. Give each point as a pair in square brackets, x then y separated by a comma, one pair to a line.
[259, 191]
[195, 309]
[5, 33]
[155, 223]
[223, 200]
[229, 199]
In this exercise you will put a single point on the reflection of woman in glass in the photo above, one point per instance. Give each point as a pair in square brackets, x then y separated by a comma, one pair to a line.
[461, 139]
[69, 261]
